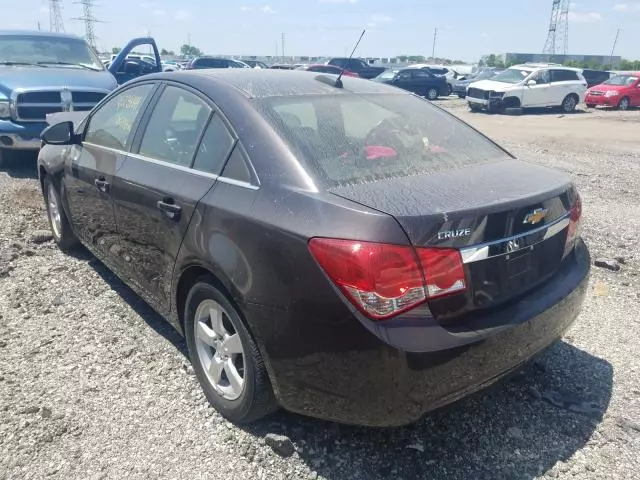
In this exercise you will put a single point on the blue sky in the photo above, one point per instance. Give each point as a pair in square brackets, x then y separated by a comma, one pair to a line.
[466, 28]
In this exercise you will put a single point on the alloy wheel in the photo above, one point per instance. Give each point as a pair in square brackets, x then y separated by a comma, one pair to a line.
[54, 211]
[624, 104]
[220, 350]
[432, 94]
[569, 104]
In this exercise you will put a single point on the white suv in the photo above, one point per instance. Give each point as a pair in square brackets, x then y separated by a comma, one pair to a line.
[528, 86]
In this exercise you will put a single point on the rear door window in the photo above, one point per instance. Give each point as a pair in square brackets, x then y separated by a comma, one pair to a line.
[350, 139]
[563, 76]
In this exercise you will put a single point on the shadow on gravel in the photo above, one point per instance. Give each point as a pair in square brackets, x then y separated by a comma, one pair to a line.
[19, 164]
[518, 429]
[148, 314]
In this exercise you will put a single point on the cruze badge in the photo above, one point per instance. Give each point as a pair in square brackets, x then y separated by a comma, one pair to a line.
[536, 216]
[461, 232]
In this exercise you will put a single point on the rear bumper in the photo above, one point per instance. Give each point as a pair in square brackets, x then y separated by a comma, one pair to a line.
[394, 373]
[601, 100]
[17, 136]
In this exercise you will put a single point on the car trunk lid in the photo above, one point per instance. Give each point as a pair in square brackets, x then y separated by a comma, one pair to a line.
[508, 218]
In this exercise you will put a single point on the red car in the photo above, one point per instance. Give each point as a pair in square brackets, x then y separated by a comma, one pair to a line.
[322, 68]
[620, 91]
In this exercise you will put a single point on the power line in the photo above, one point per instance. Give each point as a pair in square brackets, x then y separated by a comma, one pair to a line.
[55, 16]
[433, 49]
[89, 21]
[613, 49]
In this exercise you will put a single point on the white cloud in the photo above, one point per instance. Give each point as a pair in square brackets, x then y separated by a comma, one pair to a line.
[337, 1]
[159, 13]
[245, 9]
[377, 19]
[182, 15]
[267, 9]
[585, 17]
[381, 18]
[626, 7]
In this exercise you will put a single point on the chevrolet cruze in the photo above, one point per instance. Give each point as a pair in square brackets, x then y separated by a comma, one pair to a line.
[338, 247]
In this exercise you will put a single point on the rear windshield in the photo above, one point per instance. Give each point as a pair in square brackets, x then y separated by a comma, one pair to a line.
[621, 80]
[351, 139]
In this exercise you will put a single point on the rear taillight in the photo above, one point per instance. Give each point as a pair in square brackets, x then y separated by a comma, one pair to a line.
[575, 220]
[384, 280]
[443, 271]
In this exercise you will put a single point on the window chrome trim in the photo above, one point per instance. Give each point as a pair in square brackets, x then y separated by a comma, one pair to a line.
[482, 251]
[213, 176]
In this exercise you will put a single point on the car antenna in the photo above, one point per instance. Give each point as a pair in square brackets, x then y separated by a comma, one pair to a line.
[338, 83]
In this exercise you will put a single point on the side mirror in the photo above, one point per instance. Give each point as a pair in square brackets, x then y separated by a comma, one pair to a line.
[59, 134]
[531, 83]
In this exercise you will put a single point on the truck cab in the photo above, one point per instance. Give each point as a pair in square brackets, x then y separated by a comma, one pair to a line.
[43, 73]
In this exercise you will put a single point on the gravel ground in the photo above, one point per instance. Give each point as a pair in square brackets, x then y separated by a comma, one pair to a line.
[94, 385]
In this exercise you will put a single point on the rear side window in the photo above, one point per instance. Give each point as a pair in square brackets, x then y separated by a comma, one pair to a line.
[356, 139]
[237, 168]
[564, 76]
[422, 74]
[214, 148]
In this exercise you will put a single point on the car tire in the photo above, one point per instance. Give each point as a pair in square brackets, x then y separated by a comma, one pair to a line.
[60, 228]
[462, 96]
[225, 358]
[624, 104]
[590, 105]
[474, 108]
[449, 89]
[432, 94]
[569, 103]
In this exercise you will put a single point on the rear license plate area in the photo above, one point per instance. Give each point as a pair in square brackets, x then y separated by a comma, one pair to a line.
[518, 264]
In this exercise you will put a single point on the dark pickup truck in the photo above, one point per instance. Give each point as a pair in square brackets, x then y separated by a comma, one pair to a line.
[358, 66]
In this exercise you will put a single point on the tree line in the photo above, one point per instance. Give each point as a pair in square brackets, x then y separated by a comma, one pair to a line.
[496, 61]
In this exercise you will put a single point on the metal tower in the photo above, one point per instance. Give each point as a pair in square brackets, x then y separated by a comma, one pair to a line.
[55, 16]
[558, 36]
[89, 21]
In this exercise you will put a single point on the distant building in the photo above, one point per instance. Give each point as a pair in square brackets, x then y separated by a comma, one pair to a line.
[602, 60]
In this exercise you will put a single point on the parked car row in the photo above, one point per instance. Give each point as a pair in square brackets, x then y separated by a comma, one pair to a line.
[533, 85]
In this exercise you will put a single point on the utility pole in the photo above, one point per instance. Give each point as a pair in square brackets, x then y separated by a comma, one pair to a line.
[283, 47]
[615, 42]
[435, 37]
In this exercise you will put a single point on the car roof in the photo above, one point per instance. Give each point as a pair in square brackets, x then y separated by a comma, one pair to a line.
[263, 83]
[539, 66]
[38, 33]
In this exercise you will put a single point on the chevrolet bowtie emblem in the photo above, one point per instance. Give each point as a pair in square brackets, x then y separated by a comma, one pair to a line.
[536, 216]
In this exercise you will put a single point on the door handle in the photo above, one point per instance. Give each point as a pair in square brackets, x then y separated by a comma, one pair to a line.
[169, 208]
[102, 184]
